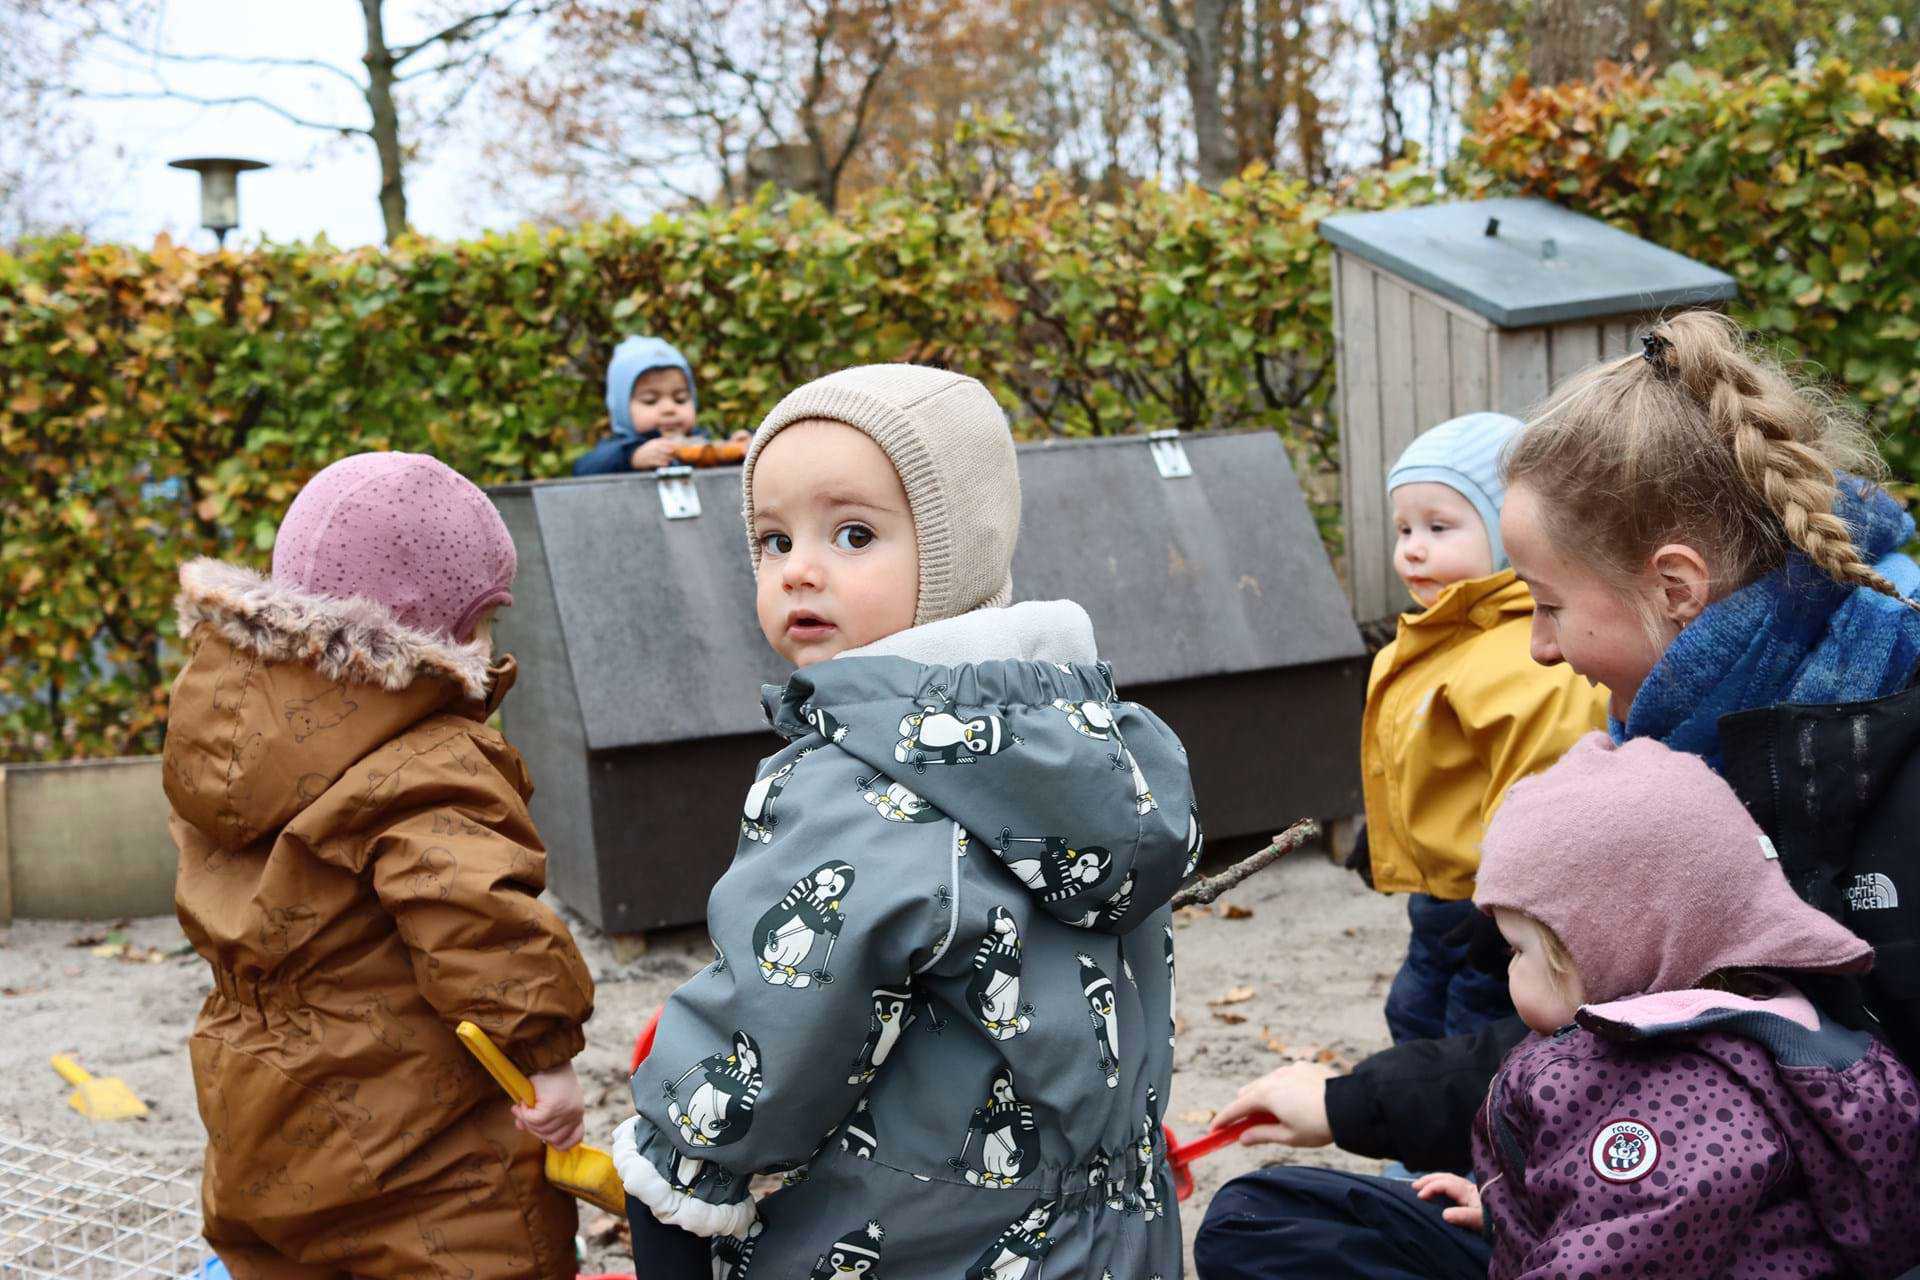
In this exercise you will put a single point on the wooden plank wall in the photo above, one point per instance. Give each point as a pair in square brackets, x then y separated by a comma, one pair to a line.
[1407, 360]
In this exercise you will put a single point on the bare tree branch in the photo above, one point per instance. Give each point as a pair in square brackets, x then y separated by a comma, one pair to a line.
[471, 27]
[173, 56]
[241, 100]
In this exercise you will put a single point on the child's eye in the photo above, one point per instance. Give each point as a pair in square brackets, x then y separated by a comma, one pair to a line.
[853, 537]
[775, 544]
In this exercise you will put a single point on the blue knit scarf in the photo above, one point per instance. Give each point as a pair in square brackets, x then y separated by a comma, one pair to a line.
[1795, 635]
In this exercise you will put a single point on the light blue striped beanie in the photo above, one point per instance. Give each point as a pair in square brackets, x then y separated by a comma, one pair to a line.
[1464, 454]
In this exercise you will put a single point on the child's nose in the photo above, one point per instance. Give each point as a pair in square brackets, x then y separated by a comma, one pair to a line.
[801, 568]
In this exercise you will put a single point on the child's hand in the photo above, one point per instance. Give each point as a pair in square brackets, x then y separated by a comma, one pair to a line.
[558, 1115]
[1466, 1197]
[657, 452]
[1296, 1097]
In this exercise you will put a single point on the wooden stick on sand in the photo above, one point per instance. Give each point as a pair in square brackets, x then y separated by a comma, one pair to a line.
[1198, 893]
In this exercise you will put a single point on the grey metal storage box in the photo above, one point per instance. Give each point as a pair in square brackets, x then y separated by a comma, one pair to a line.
[641, 661]
[1454, 308]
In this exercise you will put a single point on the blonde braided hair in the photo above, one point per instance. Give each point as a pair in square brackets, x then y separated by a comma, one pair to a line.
[1703, 441]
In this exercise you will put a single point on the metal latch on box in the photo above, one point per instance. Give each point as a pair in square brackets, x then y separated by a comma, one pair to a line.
[1169, 455]
[678, 498]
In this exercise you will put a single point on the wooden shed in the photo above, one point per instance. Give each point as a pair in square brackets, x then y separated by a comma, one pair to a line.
[1457, 308]
[638, 706]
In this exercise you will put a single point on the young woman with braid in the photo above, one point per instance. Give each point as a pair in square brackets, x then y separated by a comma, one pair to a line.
[1703, 537]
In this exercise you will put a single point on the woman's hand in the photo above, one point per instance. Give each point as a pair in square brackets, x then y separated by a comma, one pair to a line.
[1466, 1211]
[1296, 1097]
[558, 1114]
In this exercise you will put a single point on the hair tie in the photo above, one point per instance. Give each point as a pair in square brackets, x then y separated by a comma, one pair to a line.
[1656, 348]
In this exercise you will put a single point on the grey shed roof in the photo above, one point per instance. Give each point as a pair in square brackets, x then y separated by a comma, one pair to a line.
[1219, 574]
[1545, 264]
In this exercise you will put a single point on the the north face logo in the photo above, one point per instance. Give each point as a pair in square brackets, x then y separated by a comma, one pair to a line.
[1624, 1151]
[1872, 892]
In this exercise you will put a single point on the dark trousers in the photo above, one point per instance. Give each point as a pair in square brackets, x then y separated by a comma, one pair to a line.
[1437, 993]
[661, 1252]
[1298, 1223]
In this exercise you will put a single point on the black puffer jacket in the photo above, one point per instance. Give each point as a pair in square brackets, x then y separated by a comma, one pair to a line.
[1836, 787]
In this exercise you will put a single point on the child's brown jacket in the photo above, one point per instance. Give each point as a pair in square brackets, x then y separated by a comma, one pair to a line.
[358, 867]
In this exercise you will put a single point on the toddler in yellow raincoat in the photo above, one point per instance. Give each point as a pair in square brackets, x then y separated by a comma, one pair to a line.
[1457, 711]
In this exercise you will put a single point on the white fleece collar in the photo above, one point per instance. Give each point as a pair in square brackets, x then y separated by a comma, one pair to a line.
[1033, 630]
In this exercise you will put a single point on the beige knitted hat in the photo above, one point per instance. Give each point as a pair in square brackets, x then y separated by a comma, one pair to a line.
[948, 439]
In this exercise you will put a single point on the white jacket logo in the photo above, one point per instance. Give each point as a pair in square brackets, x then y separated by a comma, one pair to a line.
[1872, 892]
[1624, 1151]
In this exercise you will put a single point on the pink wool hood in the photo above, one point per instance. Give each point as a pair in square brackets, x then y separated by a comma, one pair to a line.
[1649, 869]
[404, 530]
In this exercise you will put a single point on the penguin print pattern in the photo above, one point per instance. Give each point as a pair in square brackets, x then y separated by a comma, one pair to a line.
[757, 819]
[1194, 840]
[1106, 1019]
[1113, 909]
[1095, 720]
[892, 1014]
[860, 1138]
[1018, 1252]
[823, 723]
[934, 735]
[733, 1254]
[1001, 1137]
[1172, 992]
[853, 1257]
[1055, 871]
[994, 989]
[791, 930]
[896, 803]
[719, 1110]
[1143, 1152]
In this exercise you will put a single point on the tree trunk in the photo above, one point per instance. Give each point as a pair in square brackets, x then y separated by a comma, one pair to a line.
[386, 122]
[1203, 43]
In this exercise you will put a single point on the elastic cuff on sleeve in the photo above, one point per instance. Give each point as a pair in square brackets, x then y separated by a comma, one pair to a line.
[674, 1207]
[555, 1049]
[1347, 1115]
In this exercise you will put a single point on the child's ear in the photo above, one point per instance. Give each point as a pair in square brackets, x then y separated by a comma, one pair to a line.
[1681, 578]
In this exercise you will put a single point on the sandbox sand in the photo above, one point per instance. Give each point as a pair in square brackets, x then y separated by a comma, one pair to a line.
[1314, 958]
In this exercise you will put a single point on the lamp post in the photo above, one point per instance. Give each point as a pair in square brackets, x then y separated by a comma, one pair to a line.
[219, 190]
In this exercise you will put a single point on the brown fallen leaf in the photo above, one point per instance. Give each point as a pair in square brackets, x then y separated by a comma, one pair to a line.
[1234, 911]
[1203, 1115]
[1233, 995]
[88, 940]
[602, 1228]
[1228, 1017]
[1351, 932]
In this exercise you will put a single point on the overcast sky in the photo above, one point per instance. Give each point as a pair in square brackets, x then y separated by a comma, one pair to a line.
[316, 185]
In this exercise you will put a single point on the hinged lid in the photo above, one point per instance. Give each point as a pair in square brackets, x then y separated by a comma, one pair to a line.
[679, 500]
[1522, 263]
[1168, 456]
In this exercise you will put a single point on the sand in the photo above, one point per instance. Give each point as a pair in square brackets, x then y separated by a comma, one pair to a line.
[1316, 952]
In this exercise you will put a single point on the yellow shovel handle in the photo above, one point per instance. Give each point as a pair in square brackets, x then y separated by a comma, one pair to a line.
[69, 1070]
[509, 1077]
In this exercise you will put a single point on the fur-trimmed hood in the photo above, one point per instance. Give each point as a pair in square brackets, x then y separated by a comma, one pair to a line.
[356, 640]
[284, 692]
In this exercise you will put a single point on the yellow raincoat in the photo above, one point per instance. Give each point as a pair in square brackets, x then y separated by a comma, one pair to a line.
[1457, 711]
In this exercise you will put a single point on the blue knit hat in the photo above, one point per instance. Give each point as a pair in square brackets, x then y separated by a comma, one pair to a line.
[633, 357]
[1464, 455]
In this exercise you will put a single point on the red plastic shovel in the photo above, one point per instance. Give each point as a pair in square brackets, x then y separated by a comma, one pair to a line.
[643, 1043]
[1181, 1154]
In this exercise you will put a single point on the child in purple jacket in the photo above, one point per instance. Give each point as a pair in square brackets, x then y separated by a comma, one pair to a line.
[1683, 1110]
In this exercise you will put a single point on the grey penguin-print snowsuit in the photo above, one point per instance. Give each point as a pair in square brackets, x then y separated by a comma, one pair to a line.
[943, 1001]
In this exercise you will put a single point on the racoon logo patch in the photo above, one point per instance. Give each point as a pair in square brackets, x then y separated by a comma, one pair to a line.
[1624, 1151]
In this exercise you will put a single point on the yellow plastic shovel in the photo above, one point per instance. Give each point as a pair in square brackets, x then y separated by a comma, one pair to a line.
[583, 1171]
[98, 1097]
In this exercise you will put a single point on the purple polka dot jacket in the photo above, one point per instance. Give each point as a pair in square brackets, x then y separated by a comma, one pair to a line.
[1697, 1134]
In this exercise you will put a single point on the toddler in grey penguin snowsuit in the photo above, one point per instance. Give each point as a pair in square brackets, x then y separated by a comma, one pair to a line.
[942, 1006]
